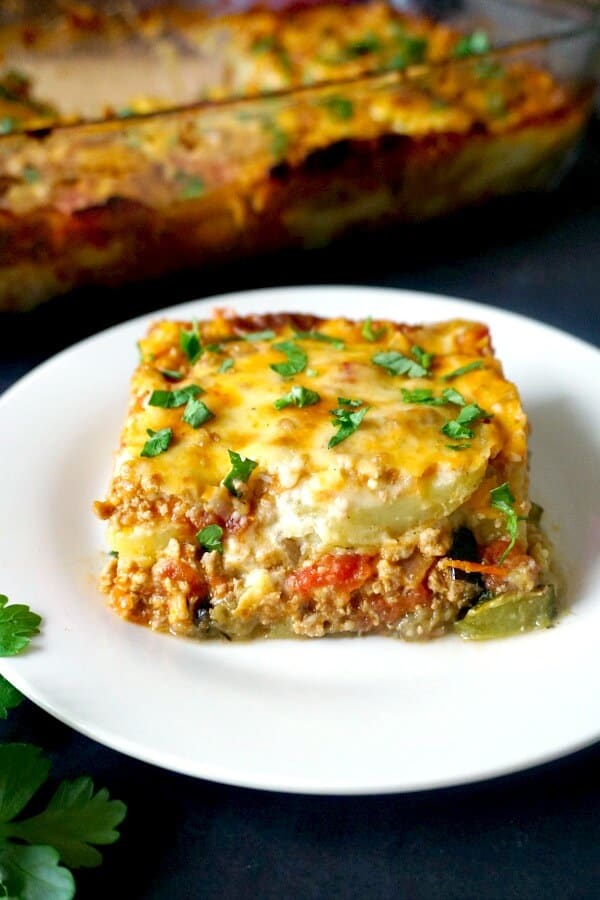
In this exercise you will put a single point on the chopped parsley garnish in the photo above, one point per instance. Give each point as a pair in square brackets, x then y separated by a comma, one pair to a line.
[158, 442]
[7, 124]
[189, 341]
[495, 104]
[502, 499]
[397, 364]
[370, 43]
[171, 374]
[346, 422]
[30, 175]
[211, 538]
[422, 357]
[410, 50]
[196, 413]
[264, 43]
[255, 336]
[336, 343]
[458, 446]
[190, 186]
[340, 107]
[458, 429]
[225, 366]
[346, 401]
[279, 142]
[241, 470]
[425, 397]
[296, 359]
[298, 396]
[176, 398]
[462, 370]
[17, 626]
[471, 45]
[372, 334]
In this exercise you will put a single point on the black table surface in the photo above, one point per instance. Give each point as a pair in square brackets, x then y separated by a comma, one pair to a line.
[528, 835]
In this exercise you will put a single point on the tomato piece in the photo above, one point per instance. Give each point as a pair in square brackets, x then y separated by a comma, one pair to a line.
[347, 571]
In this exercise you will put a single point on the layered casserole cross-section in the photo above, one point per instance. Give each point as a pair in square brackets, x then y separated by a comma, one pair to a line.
[289, 475]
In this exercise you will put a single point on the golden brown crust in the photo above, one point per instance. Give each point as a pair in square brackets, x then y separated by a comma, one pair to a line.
[318, 538]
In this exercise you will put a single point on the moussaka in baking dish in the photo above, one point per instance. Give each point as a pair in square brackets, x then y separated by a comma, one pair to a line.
[280, 129]
[289, 475]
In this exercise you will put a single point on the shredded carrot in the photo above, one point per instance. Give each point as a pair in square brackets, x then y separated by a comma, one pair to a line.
[465, 566]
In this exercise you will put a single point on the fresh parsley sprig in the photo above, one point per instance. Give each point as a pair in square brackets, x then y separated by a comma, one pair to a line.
[10, 697]
[18, 624]
[33, 847]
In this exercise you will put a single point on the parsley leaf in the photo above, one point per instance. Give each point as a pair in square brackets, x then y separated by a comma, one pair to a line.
[503, 500]
[449, 395]
[422, 357]
[458, 428]
[346, 423]
[469, 367]
[17, 626]
[210, 538]
[189, 341]
[171, 374]
[471, 45]
[296, 359]
[225, 366]
[369, 43]
[346, 401]
[197, 413]
[336, 343]
[10, 697]
[340, 107]
[23, 770]
[241, 470]
[422, 396]
[159, 442]
[33, 873]
[298, 396]
[176, 398]
[254, 336]
[397, 364]
[74, 819]
[372, 334]
[425, 397]
[190, 186]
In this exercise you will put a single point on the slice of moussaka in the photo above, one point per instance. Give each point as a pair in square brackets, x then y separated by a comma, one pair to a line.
[289, 475]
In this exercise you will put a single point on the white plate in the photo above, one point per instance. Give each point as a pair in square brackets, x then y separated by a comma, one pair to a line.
[330, 716]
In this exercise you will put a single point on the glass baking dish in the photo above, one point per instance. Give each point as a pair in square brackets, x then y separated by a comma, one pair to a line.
[137, 139]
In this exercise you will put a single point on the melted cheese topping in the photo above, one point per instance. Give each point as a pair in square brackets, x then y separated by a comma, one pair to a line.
[396, 472]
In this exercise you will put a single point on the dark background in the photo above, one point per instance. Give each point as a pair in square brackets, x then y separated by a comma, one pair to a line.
[530, 835]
